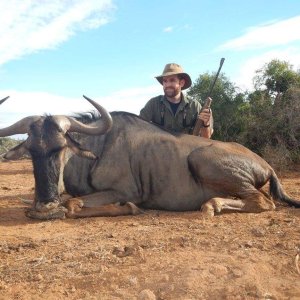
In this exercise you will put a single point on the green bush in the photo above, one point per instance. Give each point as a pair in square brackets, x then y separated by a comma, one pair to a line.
[266, 120]
[7, 144]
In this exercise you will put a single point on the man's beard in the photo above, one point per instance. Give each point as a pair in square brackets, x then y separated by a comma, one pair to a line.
[171, 92]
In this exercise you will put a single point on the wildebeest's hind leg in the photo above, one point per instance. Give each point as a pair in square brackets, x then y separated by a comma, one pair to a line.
[230, 180]
[76, 209]
[254, 202]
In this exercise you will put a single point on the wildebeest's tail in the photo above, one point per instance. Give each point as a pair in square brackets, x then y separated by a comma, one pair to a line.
[277, 192]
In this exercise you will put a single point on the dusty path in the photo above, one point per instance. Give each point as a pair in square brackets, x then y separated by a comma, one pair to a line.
[174, 255]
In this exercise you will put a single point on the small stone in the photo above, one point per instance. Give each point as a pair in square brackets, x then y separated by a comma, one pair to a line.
[218, 270]
[237, 273]
[269, 296]
[134, 224]
[3, 285]
[73, 289]
[5, 188]
[133, 281]
[111, 236]
[249, 244]
[146, 295]
[123, 251]
[38, 277]
[66, 256]
[118, 250]
[165, 278]
[258, 232]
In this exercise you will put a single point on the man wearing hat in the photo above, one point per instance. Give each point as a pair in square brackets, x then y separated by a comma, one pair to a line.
[174, 110]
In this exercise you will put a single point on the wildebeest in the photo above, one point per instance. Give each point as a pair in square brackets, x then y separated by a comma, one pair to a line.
[118, 163]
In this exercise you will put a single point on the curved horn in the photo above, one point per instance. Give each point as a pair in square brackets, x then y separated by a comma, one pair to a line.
[103, 125]
[1, 101]
[20, 127]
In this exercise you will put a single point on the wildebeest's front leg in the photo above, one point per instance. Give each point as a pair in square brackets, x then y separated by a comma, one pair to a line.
[99, 204]
[76, 209]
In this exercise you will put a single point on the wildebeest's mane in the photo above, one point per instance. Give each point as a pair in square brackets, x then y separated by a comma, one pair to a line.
[87, 117]
[92, 116]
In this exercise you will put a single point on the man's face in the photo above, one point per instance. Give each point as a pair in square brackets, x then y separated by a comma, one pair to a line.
[172, 85]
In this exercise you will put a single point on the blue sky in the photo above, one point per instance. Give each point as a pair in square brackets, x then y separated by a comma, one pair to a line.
[52, 52]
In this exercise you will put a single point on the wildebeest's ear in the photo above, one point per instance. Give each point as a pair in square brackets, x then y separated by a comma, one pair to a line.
[76, 148]
[16, 152]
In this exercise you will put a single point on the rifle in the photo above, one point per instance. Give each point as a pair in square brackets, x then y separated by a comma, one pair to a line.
[1, 101]
[199, 123]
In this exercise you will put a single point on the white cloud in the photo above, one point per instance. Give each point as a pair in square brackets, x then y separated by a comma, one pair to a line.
[271, 34]
[247, 71]
[28, 26]
[168, 29]
[177, 28]
[22, 104]
[131, 100]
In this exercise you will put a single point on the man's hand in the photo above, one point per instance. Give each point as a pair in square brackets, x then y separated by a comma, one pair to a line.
[204, 126]
[205, 116]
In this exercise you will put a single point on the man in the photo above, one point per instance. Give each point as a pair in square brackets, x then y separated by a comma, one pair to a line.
[174, 110]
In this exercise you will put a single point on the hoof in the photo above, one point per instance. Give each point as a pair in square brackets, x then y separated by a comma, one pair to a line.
[207, 210]
[134, 209]
[46, 207]
[73, 205]
[56, 213]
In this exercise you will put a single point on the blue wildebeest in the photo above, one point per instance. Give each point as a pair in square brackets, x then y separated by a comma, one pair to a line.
[118, 163]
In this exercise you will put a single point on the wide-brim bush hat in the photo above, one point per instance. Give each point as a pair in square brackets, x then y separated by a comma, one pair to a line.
[175, 69]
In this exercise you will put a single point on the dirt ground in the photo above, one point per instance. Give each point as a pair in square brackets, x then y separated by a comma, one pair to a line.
[157, 255]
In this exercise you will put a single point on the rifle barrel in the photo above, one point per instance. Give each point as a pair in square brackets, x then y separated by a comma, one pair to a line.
[199, 123]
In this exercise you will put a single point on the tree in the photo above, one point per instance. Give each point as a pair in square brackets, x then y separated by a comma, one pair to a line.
[276, 77]
[274, 124]
[266, 120]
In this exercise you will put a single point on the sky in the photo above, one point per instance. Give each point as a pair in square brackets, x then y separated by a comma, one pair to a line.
[53, 52]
